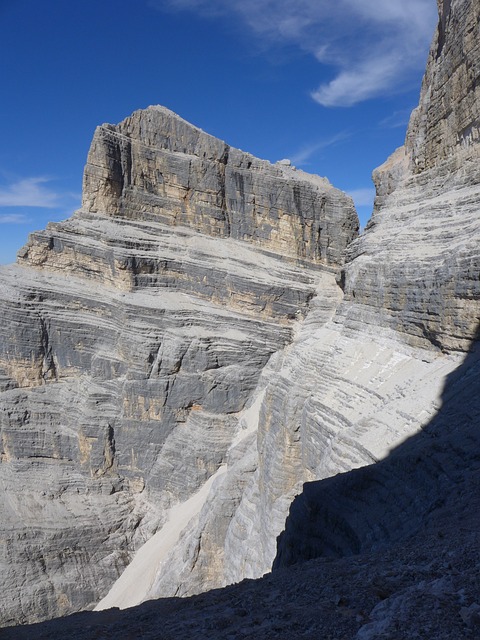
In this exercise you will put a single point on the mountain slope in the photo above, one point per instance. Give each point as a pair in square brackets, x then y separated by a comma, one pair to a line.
[359, 379]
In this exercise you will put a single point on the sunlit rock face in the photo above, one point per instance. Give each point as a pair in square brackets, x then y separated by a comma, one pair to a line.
[191, 347]
[366, 375]
[422, 279]
[388, 365]
[157, 166]
[134, 335]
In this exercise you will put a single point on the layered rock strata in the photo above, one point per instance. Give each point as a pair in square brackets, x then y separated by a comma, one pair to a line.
[134, 335]
[369, 396]
[396, 364]
[423, 279]
[403, 359]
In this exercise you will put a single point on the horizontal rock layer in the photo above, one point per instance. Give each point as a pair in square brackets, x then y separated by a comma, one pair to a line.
[132, 342]
[154, 165]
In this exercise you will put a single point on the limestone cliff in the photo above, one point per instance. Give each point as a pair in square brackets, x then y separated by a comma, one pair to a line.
[397, 362]
[422, 279]
[179, 360]
[403, 358]
[157, 166]
[134, 335]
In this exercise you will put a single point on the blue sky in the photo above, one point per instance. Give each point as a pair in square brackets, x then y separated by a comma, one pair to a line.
[326, 84]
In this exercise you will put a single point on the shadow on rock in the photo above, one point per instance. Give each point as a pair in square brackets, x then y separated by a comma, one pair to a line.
[430, 482]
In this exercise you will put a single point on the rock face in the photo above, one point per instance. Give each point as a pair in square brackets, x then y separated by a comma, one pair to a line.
[134, 335]
[180, 359]
[155, 166]
[411, 312]
[396, 359]
[423, 281]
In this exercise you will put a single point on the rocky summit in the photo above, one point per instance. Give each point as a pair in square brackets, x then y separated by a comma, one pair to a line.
[206, 374]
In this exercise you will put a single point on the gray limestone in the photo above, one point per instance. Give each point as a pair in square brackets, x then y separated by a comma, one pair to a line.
[204, 359]
[393, 380]
[134, 335]
[393, 359]
[154, 165]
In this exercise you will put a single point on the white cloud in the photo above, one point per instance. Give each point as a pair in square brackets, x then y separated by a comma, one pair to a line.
[397, 119]
[13, 218]
[357, 84]
[304, 154]
[29, 192]
[373, 46]
[363, 197]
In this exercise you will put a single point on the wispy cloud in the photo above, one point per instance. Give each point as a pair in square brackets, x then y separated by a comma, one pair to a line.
[29, 192]
[303, 155]
[373, 46]
[358, 82]
[14, 218]
[363, 197]
[397, 119]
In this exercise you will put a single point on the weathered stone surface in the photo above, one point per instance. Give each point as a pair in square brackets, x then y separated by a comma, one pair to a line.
[422, 278]
[401, 494]
[156, 165]
[399, 357]
[446, 120]
[134, 334]
[205, 326]
[352, 387]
